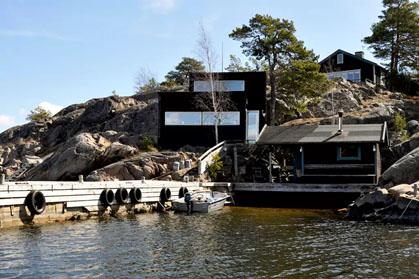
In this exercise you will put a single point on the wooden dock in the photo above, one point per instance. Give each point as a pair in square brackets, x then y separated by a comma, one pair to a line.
[302, 188]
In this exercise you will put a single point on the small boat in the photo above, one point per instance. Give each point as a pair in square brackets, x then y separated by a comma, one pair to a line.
[202, 201]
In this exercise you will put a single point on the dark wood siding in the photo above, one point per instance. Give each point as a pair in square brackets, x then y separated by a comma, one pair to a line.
[351, 63]
[253, 98]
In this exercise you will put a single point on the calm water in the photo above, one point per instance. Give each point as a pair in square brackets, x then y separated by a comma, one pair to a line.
[233, 243]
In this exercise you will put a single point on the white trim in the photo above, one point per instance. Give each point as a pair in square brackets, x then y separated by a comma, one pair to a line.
[339, 61]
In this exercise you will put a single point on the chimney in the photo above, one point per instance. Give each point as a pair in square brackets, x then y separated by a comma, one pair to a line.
[340, 129]
[359, 54]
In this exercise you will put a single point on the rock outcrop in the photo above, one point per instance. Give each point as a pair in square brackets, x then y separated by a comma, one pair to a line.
[79, 139]
[398, 204]
[147, 165]
[405, 170]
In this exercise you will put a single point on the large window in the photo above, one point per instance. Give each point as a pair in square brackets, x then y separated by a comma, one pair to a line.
[227, 118]
[199, 118]
[352, 75]
[219, 85]
[183, 118]
[252, 128]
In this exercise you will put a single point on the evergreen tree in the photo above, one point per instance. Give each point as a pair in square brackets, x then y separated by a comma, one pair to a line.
[395, 37]
[300, 84]
[180, 76]
[271, 40]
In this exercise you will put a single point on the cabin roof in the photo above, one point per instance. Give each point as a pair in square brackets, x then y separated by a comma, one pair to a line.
[351, 55]
[354, 133]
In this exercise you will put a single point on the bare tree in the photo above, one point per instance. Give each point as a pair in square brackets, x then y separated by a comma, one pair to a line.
[216, 100]
[146, 81]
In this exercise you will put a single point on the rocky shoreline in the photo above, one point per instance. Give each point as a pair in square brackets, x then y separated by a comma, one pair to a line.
[398, 204]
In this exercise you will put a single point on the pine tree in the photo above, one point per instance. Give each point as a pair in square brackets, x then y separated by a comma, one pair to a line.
[395, 37]
[273, 41]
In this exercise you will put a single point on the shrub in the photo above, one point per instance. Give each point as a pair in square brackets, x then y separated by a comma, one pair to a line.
[39, 114]
[400, 125]
[216, 166]
[146, 143]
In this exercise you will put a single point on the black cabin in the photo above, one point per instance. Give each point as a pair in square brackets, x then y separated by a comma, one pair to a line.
[187, 118]
[353, 67]
[327, 154]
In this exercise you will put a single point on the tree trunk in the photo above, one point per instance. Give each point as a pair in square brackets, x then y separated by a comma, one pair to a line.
[273, 96]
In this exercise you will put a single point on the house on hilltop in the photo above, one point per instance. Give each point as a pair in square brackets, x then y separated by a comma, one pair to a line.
[353, 67]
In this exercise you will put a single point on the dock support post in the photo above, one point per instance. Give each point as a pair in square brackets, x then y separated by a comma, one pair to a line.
[270, 167]
[236, 169]
[2, 178]
[81, 179]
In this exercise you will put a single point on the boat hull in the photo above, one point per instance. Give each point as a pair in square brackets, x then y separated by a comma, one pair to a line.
[198, 206]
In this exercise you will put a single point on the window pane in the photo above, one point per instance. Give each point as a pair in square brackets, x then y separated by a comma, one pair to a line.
[219, 85]
[349, 152]
[232, 85]
[227, 118]
[340, 58]
[201, 86]
[182, 118]
[252, 125]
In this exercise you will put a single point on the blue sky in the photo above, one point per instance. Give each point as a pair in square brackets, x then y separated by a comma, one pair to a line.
[60, 52]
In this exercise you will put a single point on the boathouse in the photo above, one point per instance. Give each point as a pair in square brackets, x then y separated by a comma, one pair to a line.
[353, 67]
[326, 154]
[188, 118]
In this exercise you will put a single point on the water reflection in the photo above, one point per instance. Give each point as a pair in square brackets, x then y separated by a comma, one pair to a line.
[233, 243]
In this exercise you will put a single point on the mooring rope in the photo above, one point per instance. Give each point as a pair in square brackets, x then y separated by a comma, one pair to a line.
[404, 211]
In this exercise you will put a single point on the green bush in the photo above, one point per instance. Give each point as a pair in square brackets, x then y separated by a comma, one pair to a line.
[146, 143]
[39, 114]
[400, 125]
[215, 167]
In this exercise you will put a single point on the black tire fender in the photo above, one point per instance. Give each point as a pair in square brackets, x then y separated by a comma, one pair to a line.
[135, 195]
[165, 194]
[182, 192]
[122, 195]
[107, 197]
[35, 201]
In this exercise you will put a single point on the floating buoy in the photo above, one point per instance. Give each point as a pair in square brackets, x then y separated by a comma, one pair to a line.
[165, 194]
[35, 201]
[135, 195]
[107, 197]
[182, 192]
[121, 195]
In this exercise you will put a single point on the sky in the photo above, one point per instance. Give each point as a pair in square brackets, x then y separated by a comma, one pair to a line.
[55, 53]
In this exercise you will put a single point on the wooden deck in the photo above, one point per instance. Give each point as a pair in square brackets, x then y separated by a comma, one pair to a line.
[302, 188]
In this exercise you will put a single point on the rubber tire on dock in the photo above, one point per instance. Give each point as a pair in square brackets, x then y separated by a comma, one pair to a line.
[35, 201]
[122, 195]
[135, 195]
[165, 194]
[107, 197]
[182, 192]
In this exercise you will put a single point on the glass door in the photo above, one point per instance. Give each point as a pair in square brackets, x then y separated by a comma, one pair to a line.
[252, 125]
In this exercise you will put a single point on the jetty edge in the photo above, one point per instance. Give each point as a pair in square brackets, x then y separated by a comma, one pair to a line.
[41, 202]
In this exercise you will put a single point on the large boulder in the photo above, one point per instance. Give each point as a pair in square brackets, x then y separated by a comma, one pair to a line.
[148, 165]
[78, 156]
[405, 170]
[413, 127]
[392, 154]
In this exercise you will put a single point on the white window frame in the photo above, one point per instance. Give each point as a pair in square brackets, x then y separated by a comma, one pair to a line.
[339, 58]
[346, 74]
